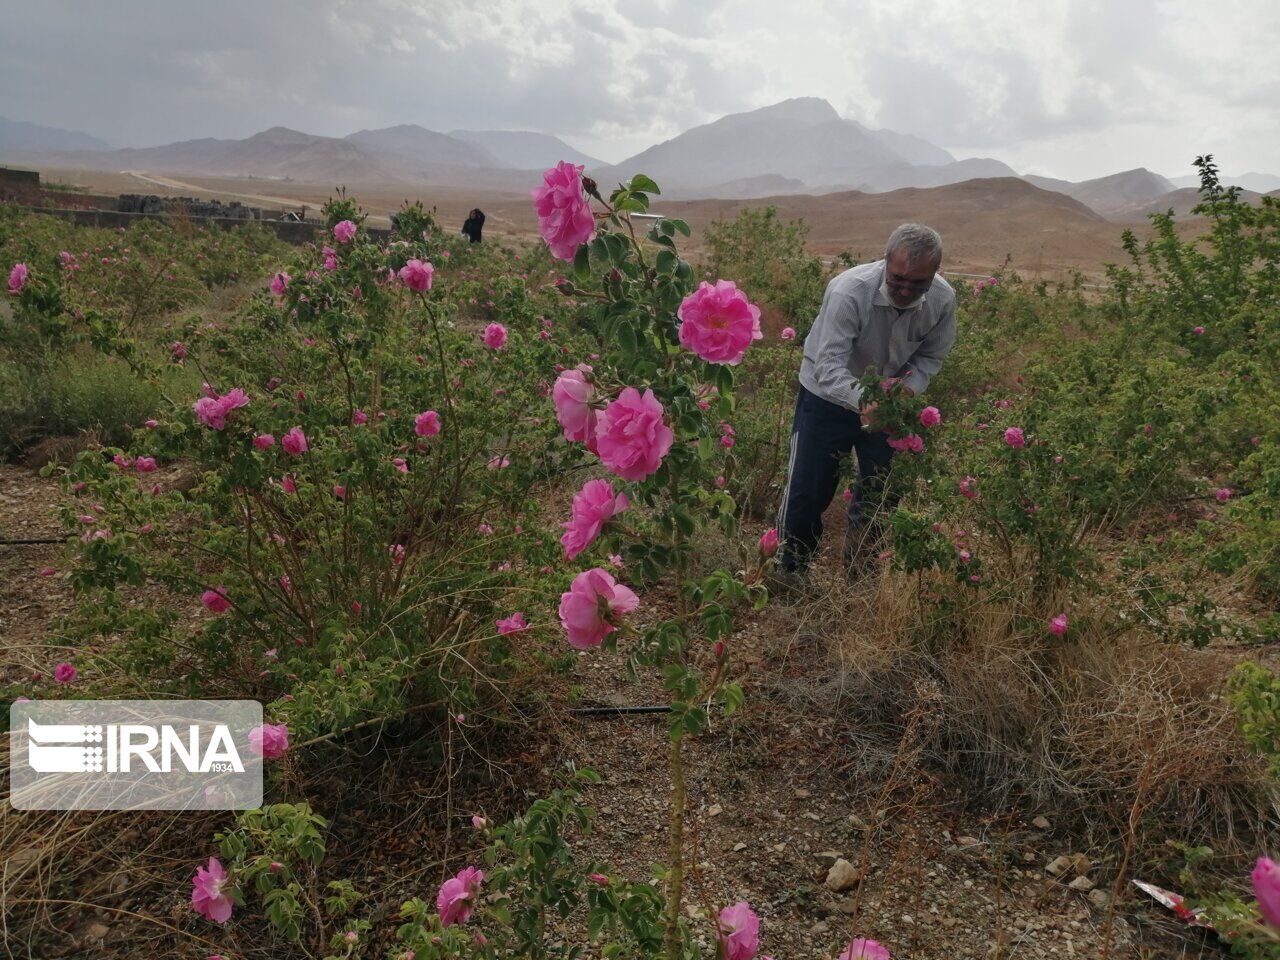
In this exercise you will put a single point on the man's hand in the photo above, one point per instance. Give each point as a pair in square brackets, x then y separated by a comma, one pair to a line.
[866, 412]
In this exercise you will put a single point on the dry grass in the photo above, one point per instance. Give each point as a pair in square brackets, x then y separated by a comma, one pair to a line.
[1087, 728]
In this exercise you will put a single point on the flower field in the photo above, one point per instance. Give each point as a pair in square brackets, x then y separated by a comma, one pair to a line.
[423, 500]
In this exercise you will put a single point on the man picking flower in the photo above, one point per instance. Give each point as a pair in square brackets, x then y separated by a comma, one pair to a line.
[896, 315]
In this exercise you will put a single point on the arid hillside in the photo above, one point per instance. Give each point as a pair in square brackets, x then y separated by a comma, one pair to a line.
[1044, 233]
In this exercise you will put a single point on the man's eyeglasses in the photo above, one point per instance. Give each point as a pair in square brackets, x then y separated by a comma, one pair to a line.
[906, 283]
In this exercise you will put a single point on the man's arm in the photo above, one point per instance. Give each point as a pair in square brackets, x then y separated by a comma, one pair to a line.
[839, 324]
[927, 359]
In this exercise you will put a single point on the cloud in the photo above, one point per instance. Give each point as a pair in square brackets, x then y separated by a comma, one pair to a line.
[1082, 87]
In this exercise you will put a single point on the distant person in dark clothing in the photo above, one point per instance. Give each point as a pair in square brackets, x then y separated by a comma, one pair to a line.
[471, 229]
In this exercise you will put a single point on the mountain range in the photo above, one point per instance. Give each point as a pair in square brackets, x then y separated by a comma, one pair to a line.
[800, 146]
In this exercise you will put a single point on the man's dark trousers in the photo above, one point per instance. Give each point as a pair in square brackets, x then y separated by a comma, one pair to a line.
[821, 433]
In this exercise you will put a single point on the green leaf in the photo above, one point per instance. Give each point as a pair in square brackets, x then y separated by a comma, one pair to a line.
[724, 378]
[627, 340]
[582, 264]
[641, 182]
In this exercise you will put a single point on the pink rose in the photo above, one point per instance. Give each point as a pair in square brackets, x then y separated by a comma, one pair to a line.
[512, 624]
[359, 418]
[416, 275]
[458, 895]
[401, 464]
[264, 440]
[739, 932]
[207, 898]
[631, 436]
[594, 504]
[270, 740]
[593, 606]
[288, 484]
[396, 550]
[344, 231]
[498, 463]
[495, 336]
[966, 487]
[1013, 437]
[330, 257]
[572, 395]
[1058, 625]
[1222, 494]
[294, 442]
[151, 424]
[280, 283]
[769, 542]
[427, 423]
[1198, 331]
[64, 673]
[145, 464]
[930, 417]
[564, 213]
[215, 600]
[213, 410]
[340, 491]
[861, 949]
[479, 822]
[718, 323]
[18, 277]
[913, 442]
[1266, 887]
[788, 333]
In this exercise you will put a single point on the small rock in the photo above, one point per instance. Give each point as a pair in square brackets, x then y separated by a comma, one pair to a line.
[841, 876]
[1058, 866]
[739, 847]
[1082, 883]
[1099, 897]
[826, 858]
[779, 847]
[715, 810]
[95, 931]
[802, 794]
[1041, 823]
[847, 906]
[1080, 863]
[819, 928]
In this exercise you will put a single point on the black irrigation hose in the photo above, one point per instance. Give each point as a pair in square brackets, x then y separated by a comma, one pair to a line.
[614, 711]
[32, 541]
[618, 711]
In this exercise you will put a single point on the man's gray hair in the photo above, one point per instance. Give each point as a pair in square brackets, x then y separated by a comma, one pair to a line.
[923, 245]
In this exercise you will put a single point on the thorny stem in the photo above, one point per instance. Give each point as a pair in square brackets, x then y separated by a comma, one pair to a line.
[675, 851]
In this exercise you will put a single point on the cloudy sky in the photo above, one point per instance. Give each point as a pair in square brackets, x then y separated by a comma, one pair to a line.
[1070, 88]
